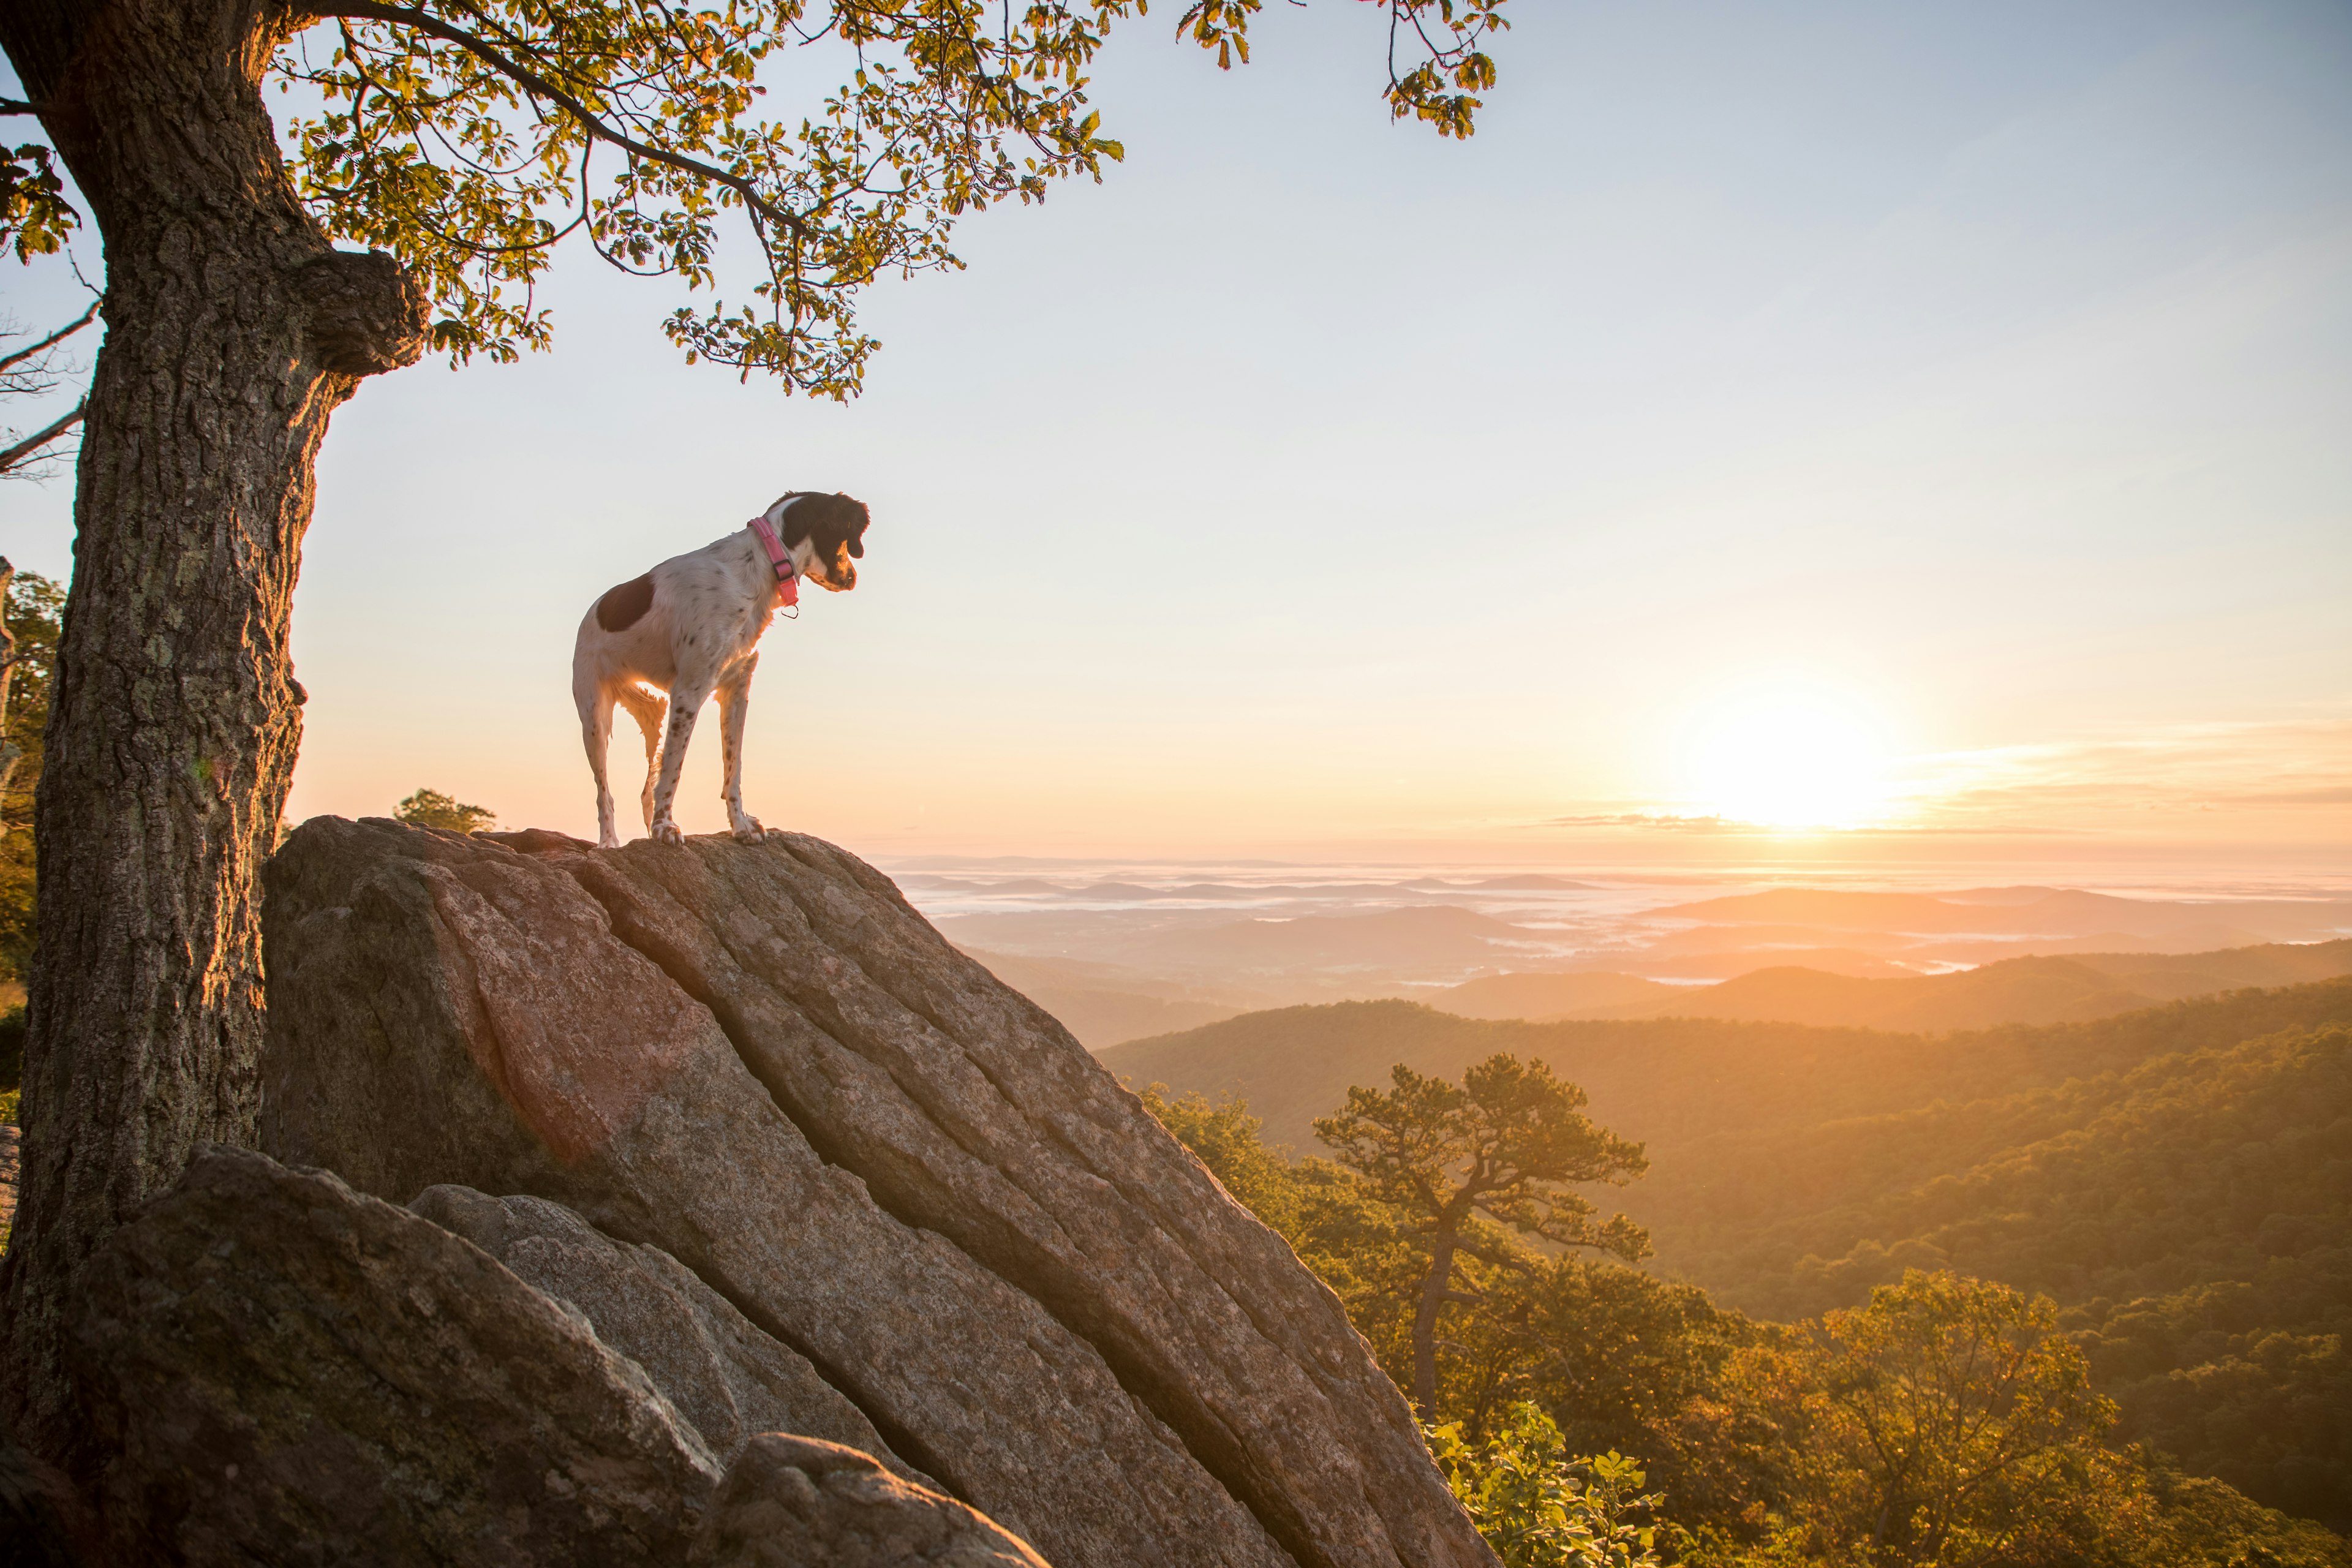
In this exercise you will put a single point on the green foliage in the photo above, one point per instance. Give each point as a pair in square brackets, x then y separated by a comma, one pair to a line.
[431, 808]
[35, 216]
[469, 137]
[35, 611]
[2246, 1380]
[2201, 1522]
[2195, 1213]
[1955, 1410]
[1505, 1143]
[2179, 1180]
[1618, 1360]
[1621, 1359]
[1465, 1170]
[1537, 1508]
[1948, 1423]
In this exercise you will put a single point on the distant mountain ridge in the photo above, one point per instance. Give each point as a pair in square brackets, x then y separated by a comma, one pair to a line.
[2063, 911]
[2034, 990]
[1103, 1004]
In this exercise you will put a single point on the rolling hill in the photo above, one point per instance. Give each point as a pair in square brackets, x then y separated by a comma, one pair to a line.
[1676, 1079]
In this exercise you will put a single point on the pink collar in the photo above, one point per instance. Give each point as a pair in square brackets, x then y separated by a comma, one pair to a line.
[788, 589]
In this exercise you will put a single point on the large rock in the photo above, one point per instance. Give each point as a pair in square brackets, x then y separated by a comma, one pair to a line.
[281, 1370]
[284, 1370]
[731, 1381]
[929, 1189]
[447, 1010]
[795, 1502]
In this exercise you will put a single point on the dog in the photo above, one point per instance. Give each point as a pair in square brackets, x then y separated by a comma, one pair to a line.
[664, 644]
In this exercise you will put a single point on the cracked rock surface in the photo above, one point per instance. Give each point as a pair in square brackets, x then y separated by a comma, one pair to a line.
[282, 1370]
[724, 1376]
[762, 1062]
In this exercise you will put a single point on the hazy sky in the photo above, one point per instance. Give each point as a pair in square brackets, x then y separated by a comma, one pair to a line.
[1933, 417]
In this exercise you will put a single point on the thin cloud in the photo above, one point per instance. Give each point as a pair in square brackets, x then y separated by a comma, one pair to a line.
[2285, 767]
[2288, 774]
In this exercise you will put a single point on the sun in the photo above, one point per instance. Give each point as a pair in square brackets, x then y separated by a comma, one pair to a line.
[1791, 758]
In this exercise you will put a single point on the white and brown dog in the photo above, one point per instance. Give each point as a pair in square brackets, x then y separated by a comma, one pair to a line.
[690, 628]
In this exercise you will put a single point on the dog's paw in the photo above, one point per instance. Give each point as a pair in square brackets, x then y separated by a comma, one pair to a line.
[665, 832]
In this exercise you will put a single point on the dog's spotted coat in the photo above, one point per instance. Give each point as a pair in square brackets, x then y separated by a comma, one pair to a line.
[690, 628]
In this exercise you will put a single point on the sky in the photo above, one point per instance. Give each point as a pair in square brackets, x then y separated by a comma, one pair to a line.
[1855, 427]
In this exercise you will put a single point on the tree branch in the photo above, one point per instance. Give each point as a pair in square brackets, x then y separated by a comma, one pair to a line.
[31, 444]
[61, 335]
[404, 17]
[16, 106]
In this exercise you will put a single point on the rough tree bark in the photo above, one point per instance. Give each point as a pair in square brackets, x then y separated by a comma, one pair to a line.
[233, 332]
[1436, 1289]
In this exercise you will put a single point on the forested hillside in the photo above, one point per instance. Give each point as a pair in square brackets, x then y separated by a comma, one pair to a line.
[2178, 1179]
[1673, 1079]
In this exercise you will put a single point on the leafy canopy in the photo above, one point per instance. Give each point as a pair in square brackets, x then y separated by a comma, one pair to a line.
[35, 607]
[431, 808]
[470, 137]
[1539, 1508]
[1949, 1422]
[1504, 1142]
[1943, 1424]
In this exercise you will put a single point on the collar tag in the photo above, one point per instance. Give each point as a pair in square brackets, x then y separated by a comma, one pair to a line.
[788, 588]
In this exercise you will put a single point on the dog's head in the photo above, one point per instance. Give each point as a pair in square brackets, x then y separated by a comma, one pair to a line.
[833, 526]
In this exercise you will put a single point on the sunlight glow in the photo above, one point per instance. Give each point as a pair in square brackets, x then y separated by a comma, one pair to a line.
[1791, 758]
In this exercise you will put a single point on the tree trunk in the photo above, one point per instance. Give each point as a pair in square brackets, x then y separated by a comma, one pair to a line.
[1434, 1288]
[233, 332]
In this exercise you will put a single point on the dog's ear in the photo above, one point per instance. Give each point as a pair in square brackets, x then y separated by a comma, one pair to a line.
[853, 520]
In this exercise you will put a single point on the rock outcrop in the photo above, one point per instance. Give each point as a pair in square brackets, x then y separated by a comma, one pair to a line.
[281, 1370]
[762, 1062]
[284, 1370]
[728, 1379]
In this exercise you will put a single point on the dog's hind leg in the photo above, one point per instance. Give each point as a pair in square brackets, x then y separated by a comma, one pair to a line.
[734, 698]
[595, 703]
[648, 708]
[685, 702]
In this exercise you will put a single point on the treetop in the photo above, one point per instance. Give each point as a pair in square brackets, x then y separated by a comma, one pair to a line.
[468, 138]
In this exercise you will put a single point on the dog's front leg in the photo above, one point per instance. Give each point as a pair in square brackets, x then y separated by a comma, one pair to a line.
[734, 698]
[685, 702]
